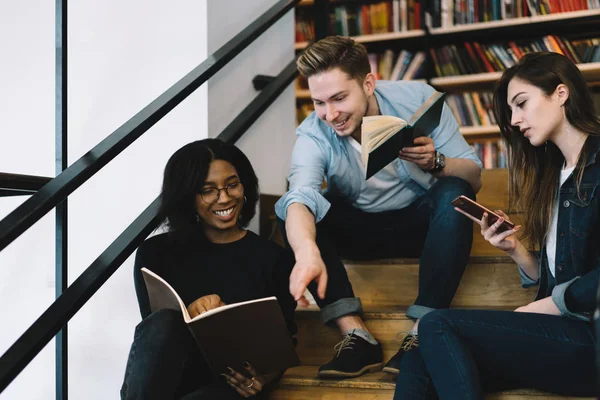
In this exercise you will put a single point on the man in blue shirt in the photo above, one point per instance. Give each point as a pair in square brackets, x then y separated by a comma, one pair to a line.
[404, 210]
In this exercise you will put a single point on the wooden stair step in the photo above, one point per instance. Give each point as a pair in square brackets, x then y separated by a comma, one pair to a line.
[316, 341]
[300, 383]
[487, 281]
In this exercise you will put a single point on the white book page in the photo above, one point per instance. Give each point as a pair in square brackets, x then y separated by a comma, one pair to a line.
[228, 306]
[162, 295]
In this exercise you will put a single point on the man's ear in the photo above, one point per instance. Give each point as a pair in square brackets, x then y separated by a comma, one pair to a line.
[562, 94]
[369, 83]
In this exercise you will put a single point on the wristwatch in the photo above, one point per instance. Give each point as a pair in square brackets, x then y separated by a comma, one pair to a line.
[439, 162]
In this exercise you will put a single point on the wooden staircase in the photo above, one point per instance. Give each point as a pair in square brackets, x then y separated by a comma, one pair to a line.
[387, 288]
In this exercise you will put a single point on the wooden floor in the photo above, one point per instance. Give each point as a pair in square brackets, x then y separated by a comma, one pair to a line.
[387, 288]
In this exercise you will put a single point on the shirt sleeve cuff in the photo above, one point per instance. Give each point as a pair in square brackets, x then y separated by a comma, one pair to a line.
[526, 281]
[310, 197]
[558, 297]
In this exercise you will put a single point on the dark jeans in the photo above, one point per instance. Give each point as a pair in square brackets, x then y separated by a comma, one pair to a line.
[429, 228]
[464, 353]
[165, 363]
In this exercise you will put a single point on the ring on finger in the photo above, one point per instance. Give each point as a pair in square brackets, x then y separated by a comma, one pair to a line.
[251, 384]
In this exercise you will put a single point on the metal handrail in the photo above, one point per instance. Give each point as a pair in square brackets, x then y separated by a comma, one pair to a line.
[17, 184]
[59, 188]
[20, 354]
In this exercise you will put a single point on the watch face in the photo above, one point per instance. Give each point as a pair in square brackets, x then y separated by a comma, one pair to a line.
[442, 160]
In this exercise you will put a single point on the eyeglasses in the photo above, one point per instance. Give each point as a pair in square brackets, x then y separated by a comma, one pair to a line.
[234, 190]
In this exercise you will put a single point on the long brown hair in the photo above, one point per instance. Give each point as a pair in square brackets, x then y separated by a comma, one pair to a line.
[534, 171]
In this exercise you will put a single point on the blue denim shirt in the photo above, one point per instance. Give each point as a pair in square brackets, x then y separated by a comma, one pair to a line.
[575, 285]
[319, 153]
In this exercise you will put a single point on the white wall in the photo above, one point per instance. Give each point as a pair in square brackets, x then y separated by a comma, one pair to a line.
[121, 56]
[27, 147]
[269, 141]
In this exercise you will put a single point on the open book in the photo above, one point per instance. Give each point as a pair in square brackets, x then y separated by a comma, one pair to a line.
[253, 331]
[383, 136]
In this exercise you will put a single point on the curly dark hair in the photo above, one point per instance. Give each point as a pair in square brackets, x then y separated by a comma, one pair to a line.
[185, 175]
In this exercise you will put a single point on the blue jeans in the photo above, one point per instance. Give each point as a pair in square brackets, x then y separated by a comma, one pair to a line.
[429, 228]
[464, 353]
[166, 363]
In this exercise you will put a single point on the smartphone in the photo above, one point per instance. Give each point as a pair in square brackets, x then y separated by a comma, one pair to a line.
[476, 210]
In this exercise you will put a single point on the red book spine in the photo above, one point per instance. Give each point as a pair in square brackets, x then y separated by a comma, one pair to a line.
[486, 62]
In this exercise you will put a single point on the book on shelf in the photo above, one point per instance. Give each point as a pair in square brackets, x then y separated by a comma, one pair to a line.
[475, 57]
[382, 17]
[472, 108]
[252, 331]
[304, 26]
[492, 153]
[383, 136]
[448, 13]
[405, 65]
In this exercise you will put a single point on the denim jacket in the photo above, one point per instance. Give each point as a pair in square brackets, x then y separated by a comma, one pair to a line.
[575, 285]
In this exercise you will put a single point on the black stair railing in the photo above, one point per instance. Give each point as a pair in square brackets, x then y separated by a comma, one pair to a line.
[56, 190]
[65, 183]
[19, 185]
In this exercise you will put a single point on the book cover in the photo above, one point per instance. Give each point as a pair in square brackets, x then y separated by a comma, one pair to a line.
[253, 331]
[383, 136]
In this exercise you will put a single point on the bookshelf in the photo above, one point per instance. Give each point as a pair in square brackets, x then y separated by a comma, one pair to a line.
[591, 71]
[572, 16]
[377, 37]
[563, 23]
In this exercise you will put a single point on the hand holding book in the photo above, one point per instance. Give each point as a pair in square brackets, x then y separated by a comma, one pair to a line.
[384, 136]
[249, 384]
[422, 153]
[204, 304]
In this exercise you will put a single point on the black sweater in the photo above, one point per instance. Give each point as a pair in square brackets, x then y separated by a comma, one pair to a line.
[247, 269]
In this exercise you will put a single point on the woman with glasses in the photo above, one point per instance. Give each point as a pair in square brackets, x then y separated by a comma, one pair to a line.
[209, 195]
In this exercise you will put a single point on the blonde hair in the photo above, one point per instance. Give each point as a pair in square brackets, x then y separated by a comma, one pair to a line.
[335, 52]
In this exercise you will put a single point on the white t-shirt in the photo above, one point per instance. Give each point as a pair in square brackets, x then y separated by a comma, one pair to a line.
[551, 241]
[376, 192]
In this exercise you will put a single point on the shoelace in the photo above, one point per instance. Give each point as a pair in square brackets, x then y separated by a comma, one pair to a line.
[346, 343]
[409, 341]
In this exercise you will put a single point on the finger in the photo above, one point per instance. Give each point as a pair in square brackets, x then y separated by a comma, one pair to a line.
[240, 391]
[502, 214]
[492, 231]
[484, 222]
[298, 285]
[239, 380]
[418, 150]
[303, 302]
[468, 216]
[505, 234]
[258, 385]
[197, 309]
[250, 369]
[423, 140]
[322, 284]
[416, 156]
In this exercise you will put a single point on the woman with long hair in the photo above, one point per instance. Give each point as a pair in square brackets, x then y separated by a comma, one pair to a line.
[547, 118]
[209, 196]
